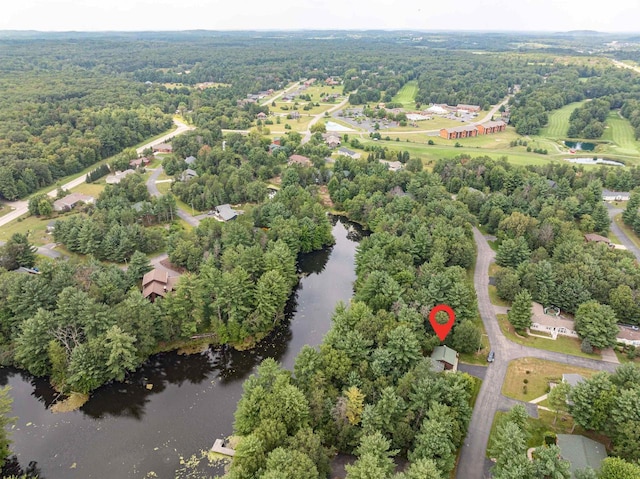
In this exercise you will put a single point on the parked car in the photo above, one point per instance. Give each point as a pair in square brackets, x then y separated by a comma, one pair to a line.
[491, 357]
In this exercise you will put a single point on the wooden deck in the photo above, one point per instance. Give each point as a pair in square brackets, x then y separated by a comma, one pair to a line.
[218, 446]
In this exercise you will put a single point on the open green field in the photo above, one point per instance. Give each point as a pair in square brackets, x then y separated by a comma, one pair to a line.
[537, 373]
[319, 89]
[91, 189]
[559, 121]
[35, 228]
[313, 111]
[620, 132]
[437, 151]
[407, 95]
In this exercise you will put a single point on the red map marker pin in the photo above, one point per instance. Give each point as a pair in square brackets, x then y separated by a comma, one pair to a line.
[442, 329]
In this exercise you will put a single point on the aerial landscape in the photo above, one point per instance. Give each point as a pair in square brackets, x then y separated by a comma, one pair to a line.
[315, 243]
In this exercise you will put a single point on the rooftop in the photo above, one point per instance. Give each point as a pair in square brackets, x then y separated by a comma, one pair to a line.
[581, 451]
[445, 354]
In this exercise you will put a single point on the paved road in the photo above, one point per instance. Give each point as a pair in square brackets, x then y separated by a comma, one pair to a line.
[46, 250]
[624, 239]
[153, 191]
[490, 400]
[21, 207]
[268, 102]
[316, 118]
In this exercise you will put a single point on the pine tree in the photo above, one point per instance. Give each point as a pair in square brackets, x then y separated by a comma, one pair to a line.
[630, 214]
[520, 313]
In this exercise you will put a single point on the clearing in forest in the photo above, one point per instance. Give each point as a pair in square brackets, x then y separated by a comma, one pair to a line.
[559, 121]
[407, 95]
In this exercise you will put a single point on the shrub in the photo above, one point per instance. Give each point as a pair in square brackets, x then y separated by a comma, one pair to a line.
[586, 347]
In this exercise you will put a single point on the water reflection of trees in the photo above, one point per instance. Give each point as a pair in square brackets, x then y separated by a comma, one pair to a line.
[130, 398]
[12, 467]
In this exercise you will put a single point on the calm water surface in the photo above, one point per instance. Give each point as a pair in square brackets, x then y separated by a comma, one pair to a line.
[127, 431]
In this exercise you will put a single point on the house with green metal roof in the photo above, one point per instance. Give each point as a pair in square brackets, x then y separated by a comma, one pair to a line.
[443, 358]
[581, 451]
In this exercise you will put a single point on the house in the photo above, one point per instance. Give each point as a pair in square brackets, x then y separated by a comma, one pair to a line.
[261, 116]
[551, 324]
[392, 165]
[459, 132]
[51, 226]
[225, 212]
[162, 148]
[628, 335]
[276, 141]
[552, 184]
[490, 127]
[299, 160]
[139, 162]
[594, 238]
[443, 358]
[157, 283]
[581, 451]
[331, 81]
[332, 140]
[188, 174]
[190, 160]
[470, 108]
[117, 176]
[615, 195]
[572, 379]
[68, 202]
[347, 152]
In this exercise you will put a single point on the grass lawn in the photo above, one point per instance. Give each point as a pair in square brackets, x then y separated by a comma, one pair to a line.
[34, 227]
[626, 230]
[163, 188]
[540, 373]
[620, 132]
[91, 189]
[318, 90]
[407, 95]
[564, 344]
[435, 123]
[479, 358]
[559, 121]
[493, 296]
[436, 152]
[4, 209]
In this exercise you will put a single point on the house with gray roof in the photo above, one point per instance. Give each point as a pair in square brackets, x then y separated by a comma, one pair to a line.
[608, 195]
[190, 160]
[69, 201]
[347, 152]
[188, 174]
[581, 451]
[226, 212]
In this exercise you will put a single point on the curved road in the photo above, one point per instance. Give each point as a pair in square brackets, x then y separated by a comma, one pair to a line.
[21, 207]
[473, 462]
[616, 230]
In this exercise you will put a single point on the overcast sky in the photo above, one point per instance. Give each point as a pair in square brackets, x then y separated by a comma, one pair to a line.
[550, 15]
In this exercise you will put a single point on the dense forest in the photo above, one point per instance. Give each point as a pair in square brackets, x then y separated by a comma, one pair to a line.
[370, 388]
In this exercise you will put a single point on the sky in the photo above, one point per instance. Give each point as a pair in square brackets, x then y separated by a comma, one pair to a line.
[142, 15]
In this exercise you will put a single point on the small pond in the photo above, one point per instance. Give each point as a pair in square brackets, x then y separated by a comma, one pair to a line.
[594, 161]
[580, 145]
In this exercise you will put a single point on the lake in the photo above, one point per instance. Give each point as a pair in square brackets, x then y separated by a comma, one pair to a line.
[127, 431]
